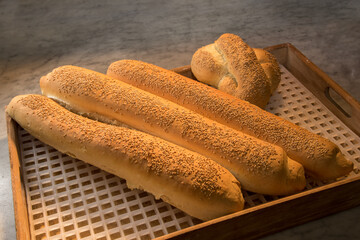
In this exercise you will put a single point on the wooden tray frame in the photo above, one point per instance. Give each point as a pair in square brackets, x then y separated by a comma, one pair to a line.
[259, 220]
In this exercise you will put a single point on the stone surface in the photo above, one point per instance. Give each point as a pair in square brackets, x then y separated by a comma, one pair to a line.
[37, 36]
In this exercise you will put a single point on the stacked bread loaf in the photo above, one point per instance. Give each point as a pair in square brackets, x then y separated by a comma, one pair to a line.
[258, 165]
[183, 178]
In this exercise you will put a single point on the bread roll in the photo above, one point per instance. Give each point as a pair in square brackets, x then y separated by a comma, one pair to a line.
[321, 158]
[232, 66]
[271, 67]
[185, 179]
[259, 166]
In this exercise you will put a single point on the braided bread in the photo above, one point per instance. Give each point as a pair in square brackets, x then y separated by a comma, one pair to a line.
[232, 66]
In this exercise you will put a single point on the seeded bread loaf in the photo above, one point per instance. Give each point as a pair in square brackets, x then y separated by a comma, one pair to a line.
[321, 158]
[230, 65]
[259, 166]
[271, 67]
[185, 179]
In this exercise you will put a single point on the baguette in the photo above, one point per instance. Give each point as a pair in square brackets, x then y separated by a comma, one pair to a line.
[321, 158]
[259, 166]
[185, 179]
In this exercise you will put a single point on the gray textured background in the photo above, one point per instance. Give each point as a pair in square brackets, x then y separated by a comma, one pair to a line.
[37, 36]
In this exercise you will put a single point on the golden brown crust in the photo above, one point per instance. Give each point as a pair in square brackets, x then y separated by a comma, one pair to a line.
[208, 58]
[249, 159]
[270, 65]
[244, 77]
[319, 156]
[140, 158]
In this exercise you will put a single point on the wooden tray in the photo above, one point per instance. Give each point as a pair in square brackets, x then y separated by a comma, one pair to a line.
[290, 211]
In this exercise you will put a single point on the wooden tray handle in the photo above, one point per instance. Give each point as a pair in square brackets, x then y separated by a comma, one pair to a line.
[338, 101]
[331, 94]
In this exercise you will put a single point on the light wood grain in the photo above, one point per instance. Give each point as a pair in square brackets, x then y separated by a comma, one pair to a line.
[20, 205]
[277, 215]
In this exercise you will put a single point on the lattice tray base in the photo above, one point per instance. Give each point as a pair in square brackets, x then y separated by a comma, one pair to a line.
[69, 199]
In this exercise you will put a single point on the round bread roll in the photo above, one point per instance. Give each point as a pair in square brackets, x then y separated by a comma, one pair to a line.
[185, 179]
[259, 166]
[230, 65]
[320, 157]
